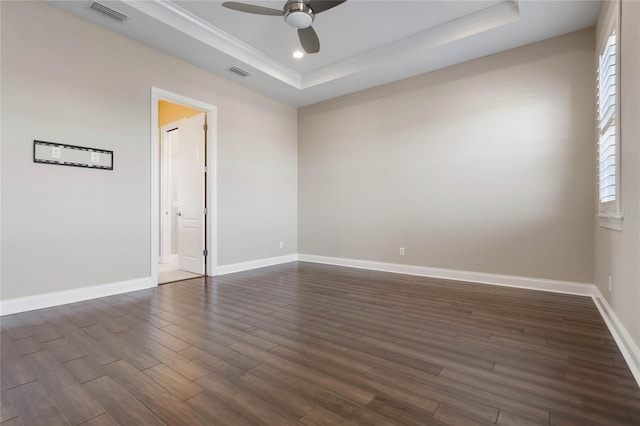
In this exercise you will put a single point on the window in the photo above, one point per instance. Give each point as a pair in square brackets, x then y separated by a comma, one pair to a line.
[607, 121]
[608, 147]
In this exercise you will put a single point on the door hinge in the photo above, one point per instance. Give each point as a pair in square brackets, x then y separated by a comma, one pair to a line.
[205, 127]
[205, 169]
[205, 252]
[205, 211]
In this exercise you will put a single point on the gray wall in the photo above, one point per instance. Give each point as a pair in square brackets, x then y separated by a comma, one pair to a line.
[69, 81]
[618, 252]
[486, 166]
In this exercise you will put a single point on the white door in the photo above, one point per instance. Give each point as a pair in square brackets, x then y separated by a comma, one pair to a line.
[191, 242]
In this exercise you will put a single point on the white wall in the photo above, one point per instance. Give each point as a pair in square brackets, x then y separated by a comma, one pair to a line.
[618, 252]
[486, 166]
[69, 81]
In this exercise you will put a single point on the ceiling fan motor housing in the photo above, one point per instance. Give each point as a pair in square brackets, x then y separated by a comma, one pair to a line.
[298, 14]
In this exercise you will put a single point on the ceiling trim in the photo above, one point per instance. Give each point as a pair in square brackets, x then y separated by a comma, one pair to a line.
[182, 20]
[465, 26]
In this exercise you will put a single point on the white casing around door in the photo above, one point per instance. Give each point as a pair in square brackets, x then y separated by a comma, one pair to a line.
[191, 240]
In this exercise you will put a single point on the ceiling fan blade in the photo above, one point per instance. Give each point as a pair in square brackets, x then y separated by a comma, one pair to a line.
[321, 5]
[309, 40]
[250, 8]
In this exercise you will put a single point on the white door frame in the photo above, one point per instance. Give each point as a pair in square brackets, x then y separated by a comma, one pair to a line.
[211, 195]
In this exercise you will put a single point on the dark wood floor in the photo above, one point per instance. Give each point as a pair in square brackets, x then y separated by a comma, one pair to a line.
[319, 345]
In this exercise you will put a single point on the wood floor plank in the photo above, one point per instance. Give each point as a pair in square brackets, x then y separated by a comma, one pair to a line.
[86, 344]
[212, 363]
[61, 386]
[478, 403]
[321, 417]
[245, 401]
[195, 325]
[169, 409]
[76, 405]
[214, 410]
[452, 416]
[561, 407]
[399, 410]
[507, 419]
[375, 387]
[292, 403]
[45, 333]
[27, 345]
[39, 411]
[119, 403]
[301, 350]
[7, 409]
[335, 385]
[102, 420]
[63, 350]
[35, 406]
[127, 351]
[171, 359]
[14, 328]
[15, 371]
[179, 386]
[84, 369]
[321, 397]
[156, 334]
[234, 333]
[212, 347]
[13, 422]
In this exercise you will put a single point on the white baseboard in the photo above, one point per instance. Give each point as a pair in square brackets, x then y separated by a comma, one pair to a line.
[565, 287]
[627, 346]
[46, 300]
[254, 264]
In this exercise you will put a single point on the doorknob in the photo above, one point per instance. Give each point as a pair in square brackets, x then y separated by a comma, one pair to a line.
[179, 214]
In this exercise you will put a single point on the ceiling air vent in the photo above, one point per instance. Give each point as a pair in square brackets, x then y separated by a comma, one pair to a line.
[239, 71]
[108, 12]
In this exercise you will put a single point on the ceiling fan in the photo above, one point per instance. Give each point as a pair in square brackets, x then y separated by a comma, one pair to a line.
[297, 13]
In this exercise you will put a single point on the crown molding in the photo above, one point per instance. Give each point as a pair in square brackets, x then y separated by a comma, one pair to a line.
[171, 14]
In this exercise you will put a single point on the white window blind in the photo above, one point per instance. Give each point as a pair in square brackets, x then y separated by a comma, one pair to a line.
[607, 155]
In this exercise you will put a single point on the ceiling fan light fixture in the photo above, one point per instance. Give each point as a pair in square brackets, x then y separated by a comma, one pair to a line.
[298, 15]
[298, 54]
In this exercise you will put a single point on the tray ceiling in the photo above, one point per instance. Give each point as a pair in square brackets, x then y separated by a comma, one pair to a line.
[364, 43]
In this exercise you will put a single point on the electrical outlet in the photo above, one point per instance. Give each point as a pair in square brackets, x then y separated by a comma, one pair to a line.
[610, 283]
[401, 251]
[281, 244]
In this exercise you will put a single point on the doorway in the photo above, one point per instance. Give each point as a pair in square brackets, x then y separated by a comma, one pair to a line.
[183, 188]
[182, 192]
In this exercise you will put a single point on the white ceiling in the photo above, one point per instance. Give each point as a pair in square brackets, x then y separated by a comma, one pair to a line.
[364, 43]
